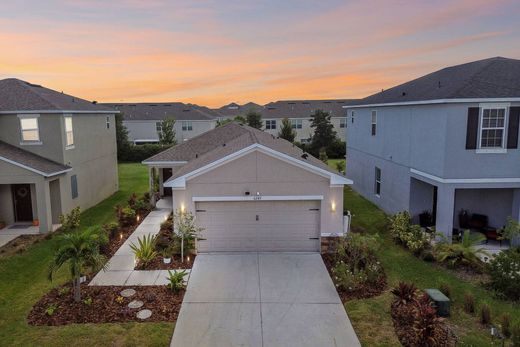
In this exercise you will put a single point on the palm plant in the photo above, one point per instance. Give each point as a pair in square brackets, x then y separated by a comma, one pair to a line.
[145, 251]
[80, 250]
[466, 252]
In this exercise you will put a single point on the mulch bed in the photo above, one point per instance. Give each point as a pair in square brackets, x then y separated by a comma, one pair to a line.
[20, 244]
[104, 308]
[158, 264]
[123, 233]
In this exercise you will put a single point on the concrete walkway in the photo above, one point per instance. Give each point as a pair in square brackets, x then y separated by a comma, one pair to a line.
[120, 270]
[12, 231]
[262, 299]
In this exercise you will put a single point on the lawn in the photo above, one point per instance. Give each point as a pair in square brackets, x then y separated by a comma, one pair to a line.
[333, 162]
[24, 281]
[371, 317]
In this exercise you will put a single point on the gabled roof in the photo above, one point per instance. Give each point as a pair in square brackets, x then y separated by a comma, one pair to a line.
[304, 108]
[30, 161]
[233, 109]
[17, 96]
[483, 79]
[162, 110]
[225, 141]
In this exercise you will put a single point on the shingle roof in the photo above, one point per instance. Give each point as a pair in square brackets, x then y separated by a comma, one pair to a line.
[489, 78]
[304, 108]
[162, 110]
[222, 141]
[30, 160]
[233, 109]
[18, 95]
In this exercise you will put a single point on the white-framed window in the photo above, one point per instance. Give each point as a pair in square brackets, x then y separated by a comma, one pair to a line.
[296, 123]
[374, 123]
[108, 122]
[270, 124]
[343, 122]
[187, 125]
[377, 182]
[352, 119]
[158, 126]
[29, 129]
[69, 132]
[492, 134]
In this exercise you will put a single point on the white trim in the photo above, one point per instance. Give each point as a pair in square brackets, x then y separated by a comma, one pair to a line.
[55, 112]
[491, 151]
[30, 143]
[257, 198]
[163, 163]
[436, 101]
[332, 234]
[32, 169]
[180, 182]
[464, 180]
[490, 106]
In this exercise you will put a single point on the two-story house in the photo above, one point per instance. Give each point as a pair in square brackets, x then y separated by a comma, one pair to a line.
[52, 145]
[143, 120]
[446, 143]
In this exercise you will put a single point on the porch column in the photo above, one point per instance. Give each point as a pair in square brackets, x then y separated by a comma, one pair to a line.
[161, 187]
[445, 207]
[43, 201]
[516, 213]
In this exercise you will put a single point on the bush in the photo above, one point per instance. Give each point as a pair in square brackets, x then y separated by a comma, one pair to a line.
[126, 216]
[138, 153]
[405, 294]
[505, 323]
[504, 272]
[71, 220]
[111, 229]
[426, 325]
[176, 280]
[144, 251]
[337, 149]
[469, 303]
[464, 253]
[485, 314]
[411, 236]
[445, 289]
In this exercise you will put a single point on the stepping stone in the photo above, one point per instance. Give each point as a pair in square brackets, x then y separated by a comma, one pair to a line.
[135, 304]
[144, 314]
[127, 293]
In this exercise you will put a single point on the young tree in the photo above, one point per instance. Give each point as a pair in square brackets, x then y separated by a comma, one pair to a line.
[80, 250]
[121, 136]
[286, 131]
[238, 119]
[324, 133]
[254, 119]
[167, 133]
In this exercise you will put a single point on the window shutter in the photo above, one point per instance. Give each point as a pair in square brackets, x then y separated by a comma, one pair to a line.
[472, 130]
[74, 186]
[512, 129]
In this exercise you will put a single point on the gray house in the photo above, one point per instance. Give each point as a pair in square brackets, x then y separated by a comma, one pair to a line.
[51, 146]
[445, 143]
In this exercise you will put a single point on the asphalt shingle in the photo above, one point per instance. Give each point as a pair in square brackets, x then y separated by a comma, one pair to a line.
[42, 165]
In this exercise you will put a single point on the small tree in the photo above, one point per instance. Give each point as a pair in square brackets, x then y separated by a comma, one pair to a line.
[121, 136]
[238, 119]
[324, 134]
[186, 229]
[80, 250]
[512, 230]
[254, 119]
[167, 133]
[286, 131]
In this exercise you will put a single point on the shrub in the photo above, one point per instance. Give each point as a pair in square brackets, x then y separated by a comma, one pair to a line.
[126, 216]
[505, 324]
[71, 220]
[426, 324]
[144, 251]
[340, 166]
[176, 280]
[427, 255]
[411, 236]
[405, 294]
[399, 225]
[463, 253]
[515, 335]
[445, 289]
[111, 229]
[504, 272]
[49, 311]
[469, 303]
[485, 314]
[138, 153]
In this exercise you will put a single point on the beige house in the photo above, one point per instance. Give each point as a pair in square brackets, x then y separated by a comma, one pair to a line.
[57, 152]
[251, 191]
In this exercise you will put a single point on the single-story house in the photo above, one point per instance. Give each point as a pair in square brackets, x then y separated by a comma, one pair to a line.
[251, 191]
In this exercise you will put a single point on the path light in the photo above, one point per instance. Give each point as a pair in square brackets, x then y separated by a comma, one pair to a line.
[137, 218]
[333, 206]
[188, 258]
[182, 207]
[120, 236]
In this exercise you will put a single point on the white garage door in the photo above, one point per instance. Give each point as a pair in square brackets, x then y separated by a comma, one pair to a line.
[291, 226]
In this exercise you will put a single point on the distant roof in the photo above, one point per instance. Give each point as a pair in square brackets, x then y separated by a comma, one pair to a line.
[224, 140]
[489, 78]
[162, 110]
[30, 161]
[304, 108]
[233, 109]
[17, 95]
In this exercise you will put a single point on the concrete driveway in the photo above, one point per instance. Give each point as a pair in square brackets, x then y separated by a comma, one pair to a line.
[262, 299]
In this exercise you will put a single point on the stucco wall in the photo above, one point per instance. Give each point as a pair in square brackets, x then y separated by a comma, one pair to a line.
[6, 204]
[421, 198]
[258, 172]
[306, 131]
[146, 129]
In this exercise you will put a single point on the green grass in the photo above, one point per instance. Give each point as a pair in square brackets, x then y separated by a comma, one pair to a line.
[371, 317]
[23, 281]
[332, 162]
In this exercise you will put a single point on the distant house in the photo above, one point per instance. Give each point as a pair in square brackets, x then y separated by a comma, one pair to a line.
[445, 143]
[143, 120]
[52, 145]
[233, 109]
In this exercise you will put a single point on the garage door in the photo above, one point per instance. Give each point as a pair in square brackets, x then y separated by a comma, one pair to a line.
[291, 226]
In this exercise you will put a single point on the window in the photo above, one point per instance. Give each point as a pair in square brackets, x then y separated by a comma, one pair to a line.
[492, 128]
[69, 134]
[29, 129]
[270, 124]
[343, 122]
[108, 122]
[377, 182]
[374, 123]
[352, 117]
[296, 123]
[158, 126]
[74, 186]
[187, 126]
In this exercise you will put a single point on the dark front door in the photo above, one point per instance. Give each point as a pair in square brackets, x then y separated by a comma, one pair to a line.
[22, 202]
[167, 173]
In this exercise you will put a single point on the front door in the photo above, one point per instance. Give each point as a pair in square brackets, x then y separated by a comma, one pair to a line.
[22, 202]
[167, 173]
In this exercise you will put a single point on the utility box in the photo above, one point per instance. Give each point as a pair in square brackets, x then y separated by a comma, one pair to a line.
[441, 302]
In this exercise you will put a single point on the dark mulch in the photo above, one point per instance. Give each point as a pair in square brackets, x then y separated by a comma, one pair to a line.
[104, 308]
[20, 244]
[368, 291]
[123, 233]
[158, 264]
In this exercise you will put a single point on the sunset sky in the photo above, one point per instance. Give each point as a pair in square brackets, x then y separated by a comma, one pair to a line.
[215, 52]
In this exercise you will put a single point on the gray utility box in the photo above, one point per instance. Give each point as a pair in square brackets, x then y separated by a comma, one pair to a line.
[441, 301]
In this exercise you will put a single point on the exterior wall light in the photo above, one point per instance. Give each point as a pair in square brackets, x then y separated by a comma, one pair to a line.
[333, 206]
[183, 207]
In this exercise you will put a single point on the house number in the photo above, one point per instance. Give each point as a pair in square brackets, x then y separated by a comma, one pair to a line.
[257, 197]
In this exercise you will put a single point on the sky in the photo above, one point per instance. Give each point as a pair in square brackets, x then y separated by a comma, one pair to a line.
[214, 52]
